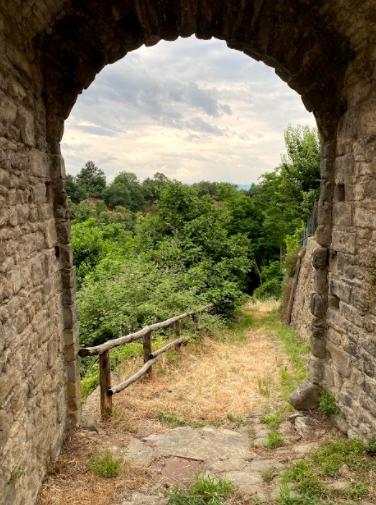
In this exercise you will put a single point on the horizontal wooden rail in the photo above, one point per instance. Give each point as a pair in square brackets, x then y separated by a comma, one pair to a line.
[178, 341]
[99, 349]
[106, 391]
[131, 380]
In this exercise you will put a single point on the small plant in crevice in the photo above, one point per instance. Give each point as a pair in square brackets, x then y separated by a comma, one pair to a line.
[173, 421]
[275, 440]
[273, 422]
[328, 406]
[15, 476]
[370, 447]
[239, 421]
[202, 491]
[269, 474]
[105, 465]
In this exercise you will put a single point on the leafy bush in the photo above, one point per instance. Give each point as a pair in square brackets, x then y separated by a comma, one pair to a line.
[290, 262]
[271, 276]
[270, 289]
[123, 296]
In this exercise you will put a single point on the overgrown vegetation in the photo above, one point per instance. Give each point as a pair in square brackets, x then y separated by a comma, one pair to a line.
[146, 251]
[105, 464]
[312, 478]
[294, 346]
[274, 440]
[203, 491]
[328, 406]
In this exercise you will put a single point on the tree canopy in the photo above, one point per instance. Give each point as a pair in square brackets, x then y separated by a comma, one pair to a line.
[144, 251]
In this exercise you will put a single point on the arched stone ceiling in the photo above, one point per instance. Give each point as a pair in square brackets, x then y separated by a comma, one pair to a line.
[302, 40]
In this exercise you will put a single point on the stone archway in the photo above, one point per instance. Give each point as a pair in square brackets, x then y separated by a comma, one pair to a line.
[52, 51]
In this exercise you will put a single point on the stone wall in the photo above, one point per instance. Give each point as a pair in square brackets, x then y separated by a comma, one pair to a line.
[301, 316]
[350, 367]
[35, 336]
[51, 51]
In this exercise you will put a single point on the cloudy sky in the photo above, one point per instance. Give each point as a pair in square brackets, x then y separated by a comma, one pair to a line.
[191, 109]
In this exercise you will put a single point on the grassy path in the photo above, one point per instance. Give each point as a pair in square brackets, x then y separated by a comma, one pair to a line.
[238, 380]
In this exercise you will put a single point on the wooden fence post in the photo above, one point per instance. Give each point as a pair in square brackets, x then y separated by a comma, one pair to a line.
[105, 385]
[177, 328]
[147, 350]
[194, 319]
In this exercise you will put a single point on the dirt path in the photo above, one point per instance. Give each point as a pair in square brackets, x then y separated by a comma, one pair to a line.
[203, 412]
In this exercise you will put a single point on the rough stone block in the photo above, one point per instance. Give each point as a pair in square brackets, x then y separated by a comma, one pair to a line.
[306, 396]
[315, 371]
[69, 316]
[365, 218]
[368, 363]
[50, 235]
[68, 278]
[344, 242]
[341, 290]
[341, 360]
[71, 352]
[318, 307]
[318, 347]
[320, 258]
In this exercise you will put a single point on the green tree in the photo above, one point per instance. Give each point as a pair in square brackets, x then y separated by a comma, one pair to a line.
[206, 188]
[131, 181]
[300, 168]
[91, 180]
[92, 241]
[152, 187]
[75, 192]
[117, 194]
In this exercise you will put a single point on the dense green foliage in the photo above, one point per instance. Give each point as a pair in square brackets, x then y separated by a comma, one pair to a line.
[146, 251]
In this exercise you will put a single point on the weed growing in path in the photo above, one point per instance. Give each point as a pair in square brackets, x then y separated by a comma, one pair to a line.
[294, 346]
[269, 474]
[264, 386]
[310, 477]
[105, 465]
[239, 421]
[274, 440]
[173, 421]
[273, 422]
[203, 491]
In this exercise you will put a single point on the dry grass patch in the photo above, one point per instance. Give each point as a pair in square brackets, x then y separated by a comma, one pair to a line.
[72, 482]
[220, 380]
[224, 379]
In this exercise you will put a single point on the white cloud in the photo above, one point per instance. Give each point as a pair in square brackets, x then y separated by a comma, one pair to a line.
[192, 109]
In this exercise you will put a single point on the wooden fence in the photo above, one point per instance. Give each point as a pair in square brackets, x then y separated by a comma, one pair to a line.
[150, 357]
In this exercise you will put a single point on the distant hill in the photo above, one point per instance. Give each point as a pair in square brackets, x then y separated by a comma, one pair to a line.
[243, 186]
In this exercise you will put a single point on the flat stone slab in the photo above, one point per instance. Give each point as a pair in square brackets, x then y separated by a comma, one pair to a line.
[180, 470]
[261, 465]
[219, 466]
[145, 499]
[247, 482]
[138, 453]
[203, 444]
